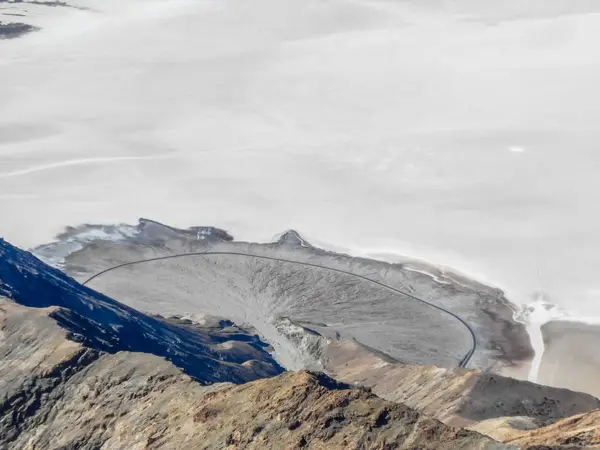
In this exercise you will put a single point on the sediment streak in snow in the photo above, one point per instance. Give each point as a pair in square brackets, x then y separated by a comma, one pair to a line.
[80, 162]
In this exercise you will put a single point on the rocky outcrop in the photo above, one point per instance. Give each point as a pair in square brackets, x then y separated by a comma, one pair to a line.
[457, 397]
[580, 431]
[210, 354]
[303, 410]
[81, 370]
[57, 393]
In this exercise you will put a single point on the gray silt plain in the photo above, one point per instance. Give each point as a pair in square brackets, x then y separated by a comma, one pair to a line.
[568, 345]
[283, 301]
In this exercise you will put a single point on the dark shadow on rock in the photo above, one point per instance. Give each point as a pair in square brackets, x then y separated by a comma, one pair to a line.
[102, 323]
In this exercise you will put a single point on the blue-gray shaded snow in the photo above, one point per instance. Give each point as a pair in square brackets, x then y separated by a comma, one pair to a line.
[105, 324]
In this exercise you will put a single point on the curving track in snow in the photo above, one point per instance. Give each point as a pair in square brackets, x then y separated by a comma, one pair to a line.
[462, 363]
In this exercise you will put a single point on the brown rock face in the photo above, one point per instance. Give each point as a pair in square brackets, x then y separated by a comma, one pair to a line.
[60, 394]
[92, 374]
[297, 410]
[457, 397]
[581, 431]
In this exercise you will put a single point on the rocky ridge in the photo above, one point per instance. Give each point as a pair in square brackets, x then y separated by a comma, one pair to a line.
[210, 354]
[60, 394]
[457, 397]
[80, 370]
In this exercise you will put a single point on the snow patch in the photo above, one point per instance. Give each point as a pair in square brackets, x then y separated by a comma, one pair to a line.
[55, 254]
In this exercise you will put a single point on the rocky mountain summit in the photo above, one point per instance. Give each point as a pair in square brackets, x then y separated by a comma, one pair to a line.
[79, 369]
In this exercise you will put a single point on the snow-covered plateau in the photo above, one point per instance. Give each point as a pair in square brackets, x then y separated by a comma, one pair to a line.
[460, 132]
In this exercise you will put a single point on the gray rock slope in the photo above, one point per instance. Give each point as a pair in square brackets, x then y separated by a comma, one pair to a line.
[271, 296]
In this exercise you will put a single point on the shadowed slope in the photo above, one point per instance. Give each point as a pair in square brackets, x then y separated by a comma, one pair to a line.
[105, 324]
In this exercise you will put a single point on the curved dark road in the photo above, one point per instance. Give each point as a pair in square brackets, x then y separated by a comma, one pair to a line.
[463, 362]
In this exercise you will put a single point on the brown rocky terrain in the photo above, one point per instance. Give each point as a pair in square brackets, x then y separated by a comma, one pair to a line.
[457, 397]
[582, 430]
[81, 370]
[60, 394]
[57, 393]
